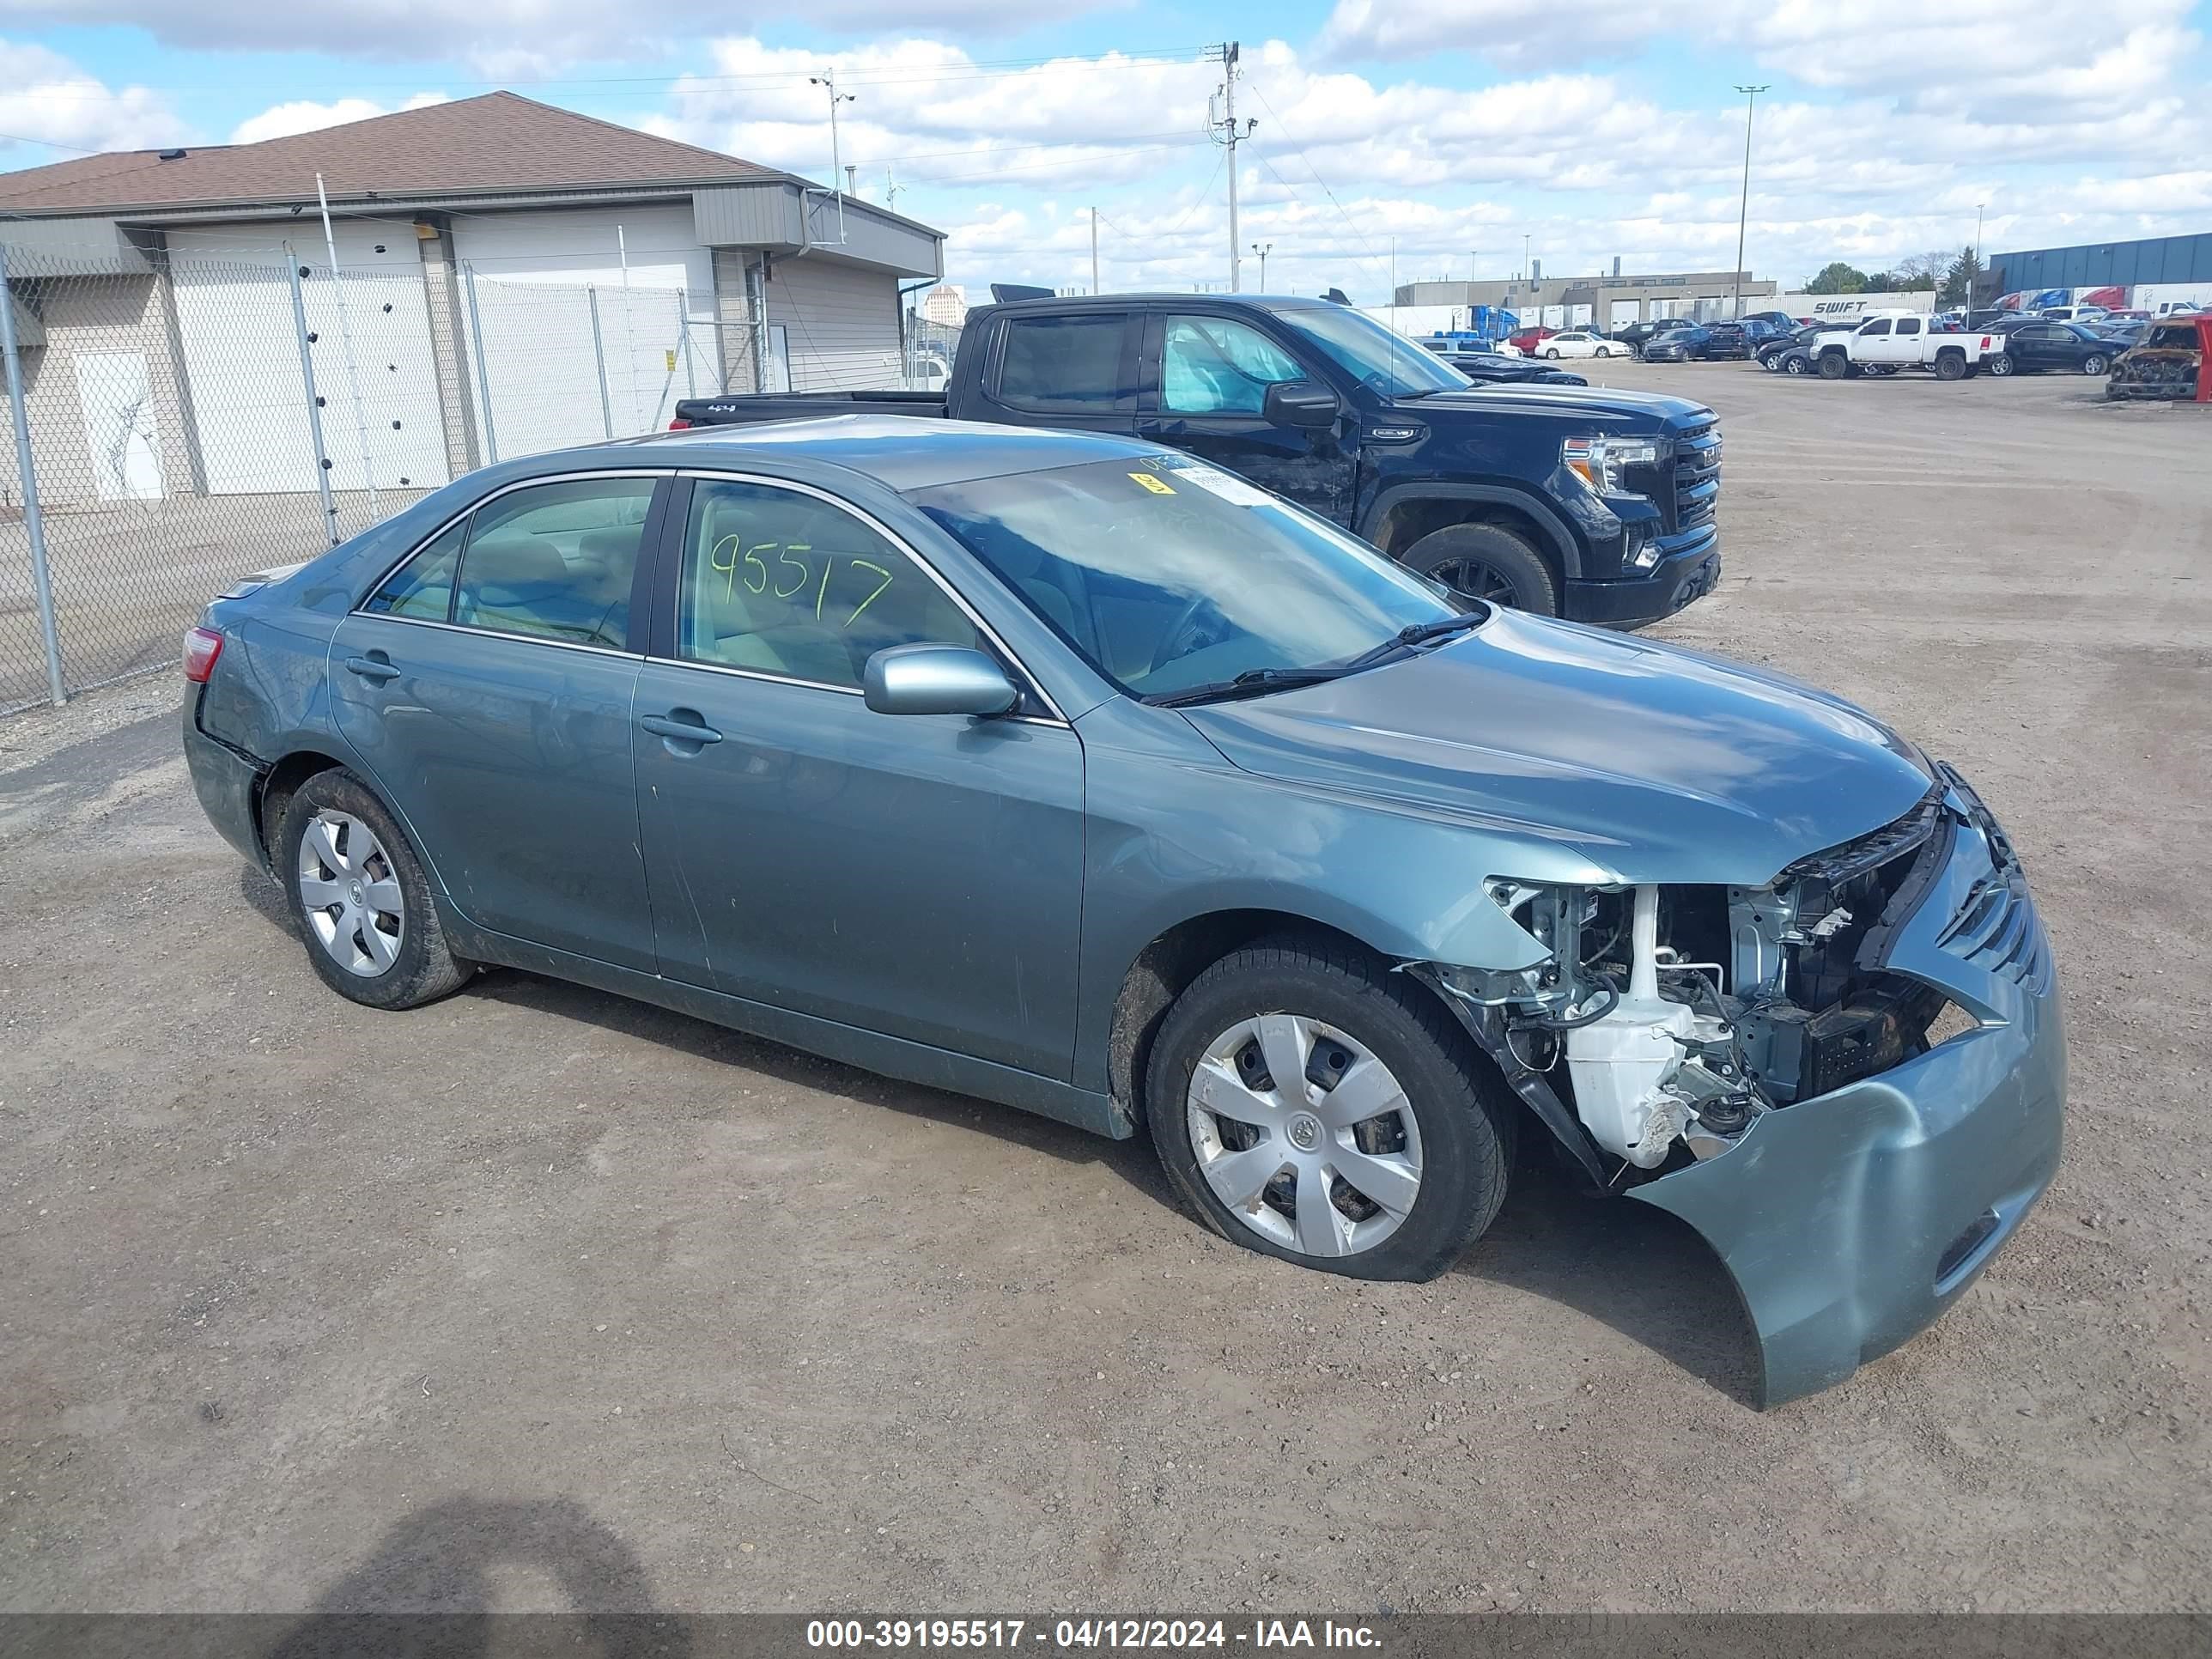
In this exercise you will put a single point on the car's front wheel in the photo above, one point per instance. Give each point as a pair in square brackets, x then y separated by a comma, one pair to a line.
[360, 898]
[1312, 1105]
[1487, 562]
[1795, 365]
[1603, 351]
[2095, 363]
[2002, 364]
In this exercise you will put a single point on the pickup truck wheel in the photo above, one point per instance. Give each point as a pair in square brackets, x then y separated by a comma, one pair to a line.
[1311, 1105]
[1834, 366]
[1951, 366]
[1487, 562]
[2095, 363]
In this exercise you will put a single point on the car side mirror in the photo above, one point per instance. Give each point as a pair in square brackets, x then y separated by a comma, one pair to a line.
[937, 679]
[1299, 403]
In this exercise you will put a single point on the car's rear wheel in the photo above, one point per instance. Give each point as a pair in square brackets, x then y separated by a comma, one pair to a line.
[360, 898]
[1487, 562]
[1553, 352]
[1313, 1106]
[2095, 363]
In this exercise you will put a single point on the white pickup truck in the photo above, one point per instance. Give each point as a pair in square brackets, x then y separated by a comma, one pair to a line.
[1891, 340]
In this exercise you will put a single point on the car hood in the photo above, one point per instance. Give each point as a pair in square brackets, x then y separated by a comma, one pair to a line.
[1658, 764]
[1639, 409]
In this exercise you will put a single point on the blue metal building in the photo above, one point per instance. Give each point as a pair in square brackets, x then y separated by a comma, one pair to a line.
[2101, 265]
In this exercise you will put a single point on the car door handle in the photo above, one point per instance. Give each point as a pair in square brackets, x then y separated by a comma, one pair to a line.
[374, 667]
[693, 730]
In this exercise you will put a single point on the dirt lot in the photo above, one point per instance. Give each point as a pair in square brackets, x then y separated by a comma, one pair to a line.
[534, 1294]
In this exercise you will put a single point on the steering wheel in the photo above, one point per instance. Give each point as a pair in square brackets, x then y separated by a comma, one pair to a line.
[1171, 645]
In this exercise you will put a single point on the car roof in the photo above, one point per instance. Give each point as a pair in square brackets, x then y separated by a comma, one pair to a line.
[903, 452]
[1116, 301]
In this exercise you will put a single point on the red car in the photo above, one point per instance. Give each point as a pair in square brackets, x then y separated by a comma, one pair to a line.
[1528, 339]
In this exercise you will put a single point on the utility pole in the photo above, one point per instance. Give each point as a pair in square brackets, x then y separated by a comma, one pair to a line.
[1230, 135]
[1974, 270]
[827, 79]
[1263, 249]
[891, 189]
[1524, 258]
[1094, 250]
[1743, 212]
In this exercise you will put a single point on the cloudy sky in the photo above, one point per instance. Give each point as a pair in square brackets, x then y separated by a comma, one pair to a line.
[1448, 131]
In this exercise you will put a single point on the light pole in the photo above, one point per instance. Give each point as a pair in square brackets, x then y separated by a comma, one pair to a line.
[1263, 249]
[1974, 270]
[829, 78]
[1743, 214]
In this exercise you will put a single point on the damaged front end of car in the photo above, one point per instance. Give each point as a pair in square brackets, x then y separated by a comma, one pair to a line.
[1848, 1078]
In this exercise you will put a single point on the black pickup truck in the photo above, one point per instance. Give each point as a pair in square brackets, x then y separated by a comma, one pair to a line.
[1581, 502]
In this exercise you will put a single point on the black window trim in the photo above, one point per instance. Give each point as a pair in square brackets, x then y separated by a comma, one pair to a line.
[662, 647]
[649, 534]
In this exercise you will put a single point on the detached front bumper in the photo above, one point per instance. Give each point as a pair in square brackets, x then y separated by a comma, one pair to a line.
[1851, 1221]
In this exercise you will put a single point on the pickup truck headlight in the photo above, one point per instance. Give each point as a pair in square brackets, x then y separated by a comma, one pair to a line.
[1602, 463]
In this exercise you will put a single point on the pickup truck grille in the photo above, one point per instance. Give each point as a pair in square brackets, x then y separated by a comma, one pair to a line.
[1696, 486]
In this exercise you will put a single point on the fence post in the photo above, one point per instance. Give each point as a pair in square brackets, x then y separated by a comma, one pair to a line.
[684, 339]
[484, 380]
[34, 524]
[600, 356]
[315, 402]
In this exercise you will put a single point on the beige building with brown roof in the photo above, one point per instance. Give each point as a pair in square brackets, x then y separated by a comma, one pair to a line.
[509, 277]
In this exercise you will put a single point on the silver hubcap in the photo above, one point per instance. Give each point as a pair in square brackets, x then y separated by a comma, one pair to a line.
[1304, 1135]
[350, 894]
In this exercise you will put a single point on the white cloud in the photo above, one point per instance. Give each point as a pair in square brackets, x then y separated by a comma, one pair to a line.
[485, 31]
[303, 115]
[47, 99]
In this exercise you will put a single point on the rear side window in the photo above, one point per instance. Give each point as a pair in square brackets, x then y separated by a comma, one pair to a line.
[423, 587]
[1069, 363]
[1908, 325]
[556, 560]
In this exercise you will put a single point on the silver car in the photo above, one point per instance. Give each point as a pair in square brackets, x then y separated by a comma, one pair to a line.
[1067, 771]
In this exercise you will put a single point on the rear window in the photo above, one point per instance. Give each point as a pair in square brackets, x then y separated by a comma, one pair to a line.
[1072, 364]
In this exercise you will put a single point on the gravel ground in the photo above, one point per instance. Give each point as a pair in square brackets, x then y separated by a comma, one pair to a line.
[536, 1298]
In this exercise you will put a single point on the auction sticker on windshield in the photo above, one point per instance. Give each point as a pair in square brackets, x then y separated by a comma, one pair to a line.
[1227, 485]
[1152, 484]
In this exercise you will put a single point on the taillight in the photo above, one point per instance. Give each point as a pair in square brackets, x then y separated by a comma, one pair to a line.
[202, 647]
[679, 424]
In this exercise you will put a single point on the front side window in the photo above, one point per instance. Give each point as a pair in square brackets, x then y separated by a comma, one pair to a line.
[784, 583]
[555, 561]
[1167, 575]
[1072, 363]
[1879, 326]
[1213, 366]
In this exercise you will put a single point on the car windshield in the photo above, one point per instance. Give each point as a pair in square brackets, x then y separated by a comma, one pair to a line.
[1378, 358]
[1168, 575]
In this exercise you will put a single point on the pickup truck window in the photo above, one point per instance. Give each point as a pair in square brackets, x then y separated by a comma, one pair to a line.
[1169, 574]
[1066, 363]
[1378, 358]
[1908, 325]
[1213, 366]
[1879, 325]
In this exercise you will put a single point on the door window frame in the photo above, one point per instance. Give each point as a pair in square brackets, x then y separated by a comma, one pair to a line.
[1127, 370]
[650, 534]
[665, 553]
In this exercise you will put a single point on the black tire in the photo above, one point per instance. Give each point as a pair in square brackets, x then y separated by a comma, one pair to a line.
[1796, 364]
[2003, 364]
[1834, 366]
[1487, 562]
[1604, 351]
[1553, 354]
[2095, 363]
[423, 968]
[1466, 1123]
[1951, 366]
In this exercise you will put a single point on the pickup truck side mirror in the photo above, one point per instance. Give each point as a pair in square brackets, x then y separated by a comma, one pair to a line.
[1299, 403]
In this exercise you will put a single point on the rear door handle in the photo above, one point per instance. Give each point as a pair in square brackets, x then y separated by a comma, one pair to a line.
[372, 667]
[693, 730]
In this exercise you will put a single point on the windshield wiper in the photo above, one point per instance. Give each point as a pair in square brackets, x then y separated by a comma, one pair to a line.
[1252, 683]
[1420, 633]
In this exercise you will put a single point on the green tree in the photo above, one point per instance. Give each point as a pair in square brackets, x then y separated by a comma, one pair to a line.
[1836, 277]
[1962, 282]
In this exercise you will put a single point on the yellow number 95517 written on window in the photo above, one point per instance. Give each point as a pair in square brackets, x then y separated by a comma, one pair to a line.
[791, 577]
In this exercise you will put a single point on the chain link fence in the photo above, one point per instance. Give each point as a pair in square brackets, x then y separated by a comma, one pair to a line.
[178, 423]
